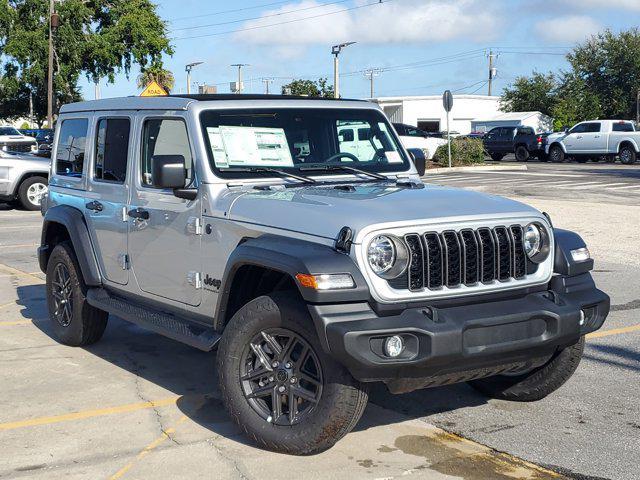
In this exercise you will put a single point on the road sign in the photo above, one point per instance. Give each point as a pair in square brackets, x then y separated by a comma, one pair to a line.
[447, 100]
[153, 90]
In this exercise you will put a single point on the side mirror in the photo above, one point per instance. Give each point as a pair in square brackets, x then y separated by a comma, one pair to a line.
[419, 160]
[565, 129]
[168, 171]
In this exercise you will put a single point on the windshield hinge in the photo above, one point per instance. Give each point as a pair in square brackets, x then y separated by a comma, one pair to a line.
[124, 214]
[194, 226]
[194, 279]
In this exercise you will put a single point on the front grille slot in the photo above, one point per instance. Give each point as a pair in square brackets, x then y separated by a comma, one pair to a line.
[467, 257]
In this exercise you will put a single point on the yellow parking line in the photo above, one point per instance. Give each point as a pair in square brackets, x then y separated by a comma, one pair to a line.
[131, 407]
[21, 245]
[146, 450]
[614, 331]
[8, 304]
[16, 322]
[15, 271]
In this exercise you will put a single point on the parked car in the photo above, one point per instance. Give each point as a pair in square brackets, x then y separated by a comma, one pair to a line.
[44, 139]
[23, 178]
[594, 139]
[312, 270]
[524, 142]
[11, 140]
[413, 137]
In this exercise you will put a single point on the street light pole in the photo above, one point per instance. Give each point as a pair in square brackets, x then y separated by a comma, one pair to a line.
[240, 65]
[335, 51]
[54, 21]
[187, 68]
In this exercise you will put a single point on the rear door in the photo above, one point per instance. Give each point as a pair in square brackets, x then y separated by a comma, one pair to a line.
[108, 194]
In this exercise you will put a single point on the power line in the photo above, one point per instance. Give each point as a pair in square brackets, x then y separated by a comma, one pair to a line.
[378, 2]
[222, 12]
[287, 12]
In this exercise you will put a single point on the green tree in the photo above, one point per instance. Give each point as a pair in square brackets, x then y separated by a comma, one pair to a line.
[609, 65]
[156, 73]
[97, 38]
[575, 102]
[309, 88]
[531, 94]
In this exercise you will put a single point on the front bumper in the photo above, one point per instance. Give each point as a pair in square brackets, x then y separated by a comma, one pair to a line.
[478, 339]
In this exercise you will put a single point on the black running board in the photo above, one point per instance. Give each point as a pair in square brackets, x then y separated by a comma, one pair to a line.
[164, 323]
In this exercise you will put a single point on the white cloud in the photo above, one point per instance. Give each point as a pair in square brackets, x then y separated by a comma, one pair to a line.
[608, 4]
[569, 29]
[390, 22]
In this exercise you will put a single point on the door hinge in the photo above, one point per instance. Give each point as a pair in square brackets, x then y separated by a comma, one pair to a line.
[194, 279]
[194, 226]
[124, 261]
[124, 215]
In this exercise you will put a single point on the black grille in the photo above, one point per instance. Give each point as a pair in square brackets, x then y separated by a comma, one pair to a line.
[17, 147]
[467, 257]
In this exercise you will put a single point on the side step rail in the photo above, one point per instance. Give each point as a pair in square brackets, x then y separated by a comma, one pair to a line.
[157, 321]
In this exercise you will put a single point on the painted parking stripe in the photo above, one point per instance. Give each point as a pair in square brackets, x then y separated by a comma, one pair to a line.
[614, 331]
[628, 187]
[600, 185]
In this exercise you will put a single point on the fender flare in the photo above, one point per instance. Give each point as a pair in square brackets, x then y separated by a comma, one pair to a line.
[560, 144]
[73, 220]
[292, 256]
[563, 263]
[632, 141]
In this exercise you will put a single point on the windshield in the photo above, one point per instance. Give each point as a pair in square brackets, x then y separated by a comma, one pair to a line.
[9, 131]
[292, 138]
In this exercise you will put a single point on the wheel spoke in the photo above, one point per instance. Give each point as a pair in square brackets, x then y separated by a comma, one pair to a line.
[262, 356]
[255, 374]
[308, 378]
[276, 405]
[272, 342]
[293, 408]
[285, 354]
[301, 359]
[261, 392]
[304, 394]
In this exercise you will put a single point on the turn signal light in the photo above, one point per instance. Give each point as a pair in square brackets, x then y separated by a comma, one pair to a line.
[332, 281]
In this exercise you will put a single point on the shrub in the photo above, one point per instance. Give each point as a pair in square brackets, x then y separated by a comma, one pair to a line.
[464, 151]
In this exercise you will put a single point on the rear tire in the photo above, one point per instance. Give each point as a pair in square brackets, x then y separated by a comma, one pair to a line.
[334, 401]
[522, 154]
[31, 191]
[556, 154]
[627, 155]
[496, 157]
[536, 384]
[75, 322]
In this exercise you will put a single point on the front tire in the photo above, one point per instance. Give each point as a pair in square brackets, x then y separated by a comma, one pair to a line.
[279, 385]
[75, 322]
[536, 384]
[31, 192]
[556, 154]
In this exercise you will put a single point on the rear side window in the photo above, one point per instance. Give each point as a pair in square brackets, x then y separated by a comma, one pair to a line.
[71, 142]
[623, 127]
[112, 150]
[364, 133]
[525, 131]
[164, 137]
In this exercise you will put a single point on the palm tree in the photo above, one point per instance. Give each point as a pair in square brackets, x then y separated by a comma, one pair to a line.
[156, 73]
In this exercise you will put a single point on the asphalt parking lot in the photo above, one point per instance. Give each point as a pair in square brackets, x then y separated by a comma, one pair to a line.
[138, 405]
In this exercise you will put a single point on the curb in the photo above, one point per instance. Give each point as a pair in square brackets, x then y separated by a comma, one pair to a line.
[483, 168]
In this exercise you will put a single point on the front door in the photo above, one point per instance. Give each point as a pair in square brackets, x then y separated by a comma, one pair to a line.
[165, 247]
[107, 197]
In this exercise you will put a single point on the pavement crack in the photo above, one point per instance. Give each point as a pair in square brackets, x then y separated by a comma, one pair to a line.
[229, 459]
[632, 305]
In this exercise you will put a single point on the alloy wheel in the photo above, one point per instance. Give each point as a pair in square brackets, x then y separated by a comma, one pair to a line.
[62, 292]
[625, 156]
[281, 376]
[35, 193]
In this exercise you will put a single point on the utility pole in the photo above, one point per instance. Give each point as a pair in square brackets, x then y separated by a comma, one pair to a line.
[54, 21]
[371, 73]
[492, 70]
[187, 68]
[638, 109]
[335, 51]
[240, 65]
[96, 90]
[267, 82]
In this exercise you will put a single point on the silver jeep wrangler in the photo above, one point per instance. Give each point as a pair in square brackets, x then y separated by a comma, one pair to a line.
[296, 237]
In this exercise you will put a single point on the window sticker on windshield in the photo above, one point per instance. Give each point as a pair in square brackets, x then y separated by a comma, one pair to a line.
[217, 147]
[253, 146]
[393, 157]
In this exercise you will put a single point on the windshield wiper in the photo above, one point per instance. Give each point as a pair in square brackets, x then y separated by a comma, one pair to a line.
[344, 168]
[277, 171]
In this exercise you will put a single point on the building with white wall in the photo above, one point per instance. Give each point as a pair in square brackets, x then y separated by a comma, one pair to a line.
[428, 114]
[536, 120]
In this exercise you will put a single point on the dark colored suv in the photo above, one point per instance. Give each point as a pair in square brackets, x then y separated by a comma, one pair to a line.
[524, 142]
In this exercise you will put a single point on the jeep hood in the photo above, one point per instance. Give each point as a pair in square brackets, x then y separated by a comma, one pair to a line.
[324, 210]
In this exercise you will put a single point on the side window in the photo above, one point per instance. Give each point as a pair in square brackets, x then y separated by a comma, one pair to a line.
[71, 142]
[593, 127]
[580, 128]
[346, 135]
[164, 137]
[623, 127]
[364, 133]
[112, 150]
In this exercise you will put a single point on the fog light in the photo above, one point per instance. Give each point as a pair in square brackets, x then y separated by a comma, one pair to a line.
[393, 346]
[580, 254]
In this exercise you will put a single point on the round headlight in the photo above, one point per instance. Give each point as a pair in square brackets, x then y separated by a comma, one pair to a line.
[387, 256]
[532, 240]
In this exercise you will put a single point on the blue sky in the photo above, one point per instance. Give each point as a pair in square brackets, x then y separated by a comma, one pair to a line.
[421, 46]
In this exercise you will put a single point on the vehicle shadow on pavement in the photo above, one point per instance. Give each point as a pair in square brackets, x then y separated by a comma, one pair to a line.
[629, 172]
[616, 356]
[190, 374]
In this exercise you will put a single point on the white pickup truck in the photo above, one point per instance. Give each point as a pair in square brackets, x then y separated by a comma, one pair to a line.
[593, 139]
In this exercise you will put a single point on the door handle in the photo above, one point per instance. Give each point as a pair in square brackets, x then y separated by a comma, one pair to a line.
[579, 136]
[94, 205]
[139, 214]
[597, 136]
